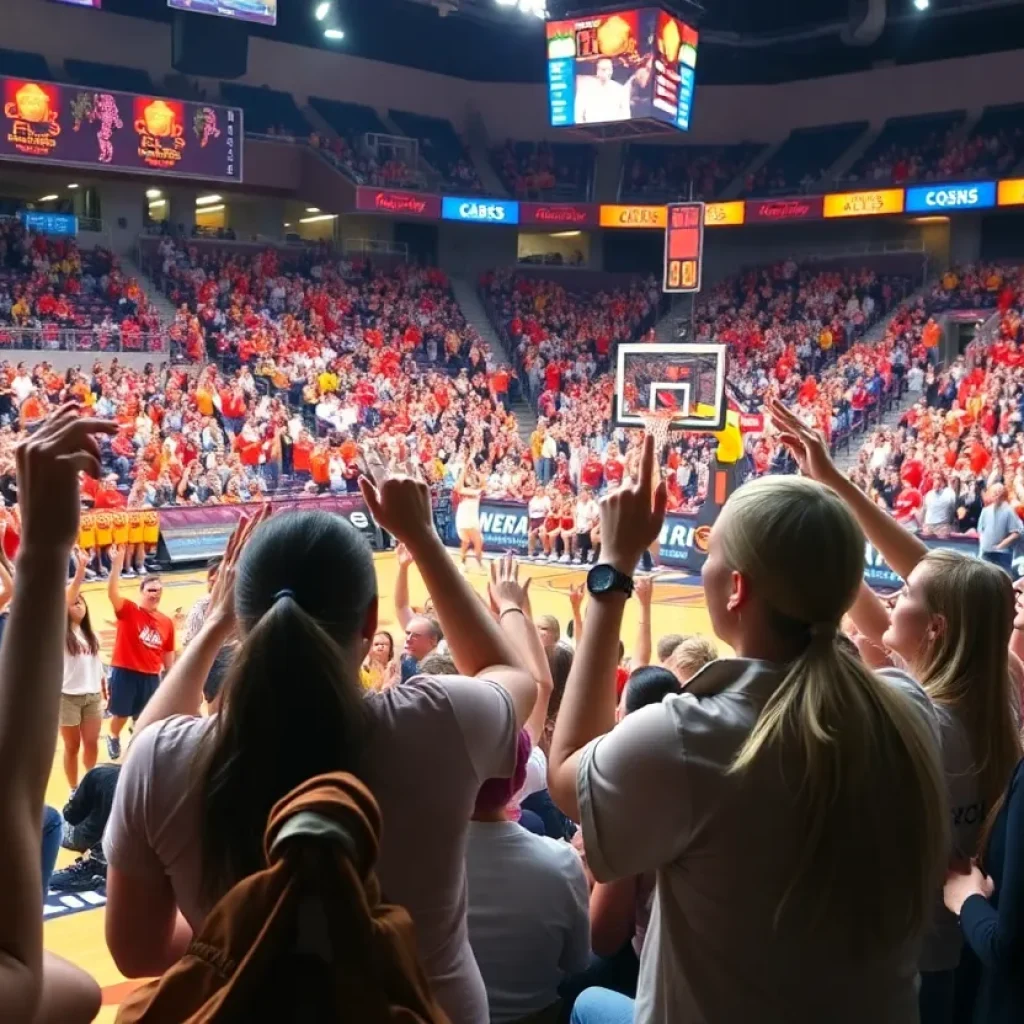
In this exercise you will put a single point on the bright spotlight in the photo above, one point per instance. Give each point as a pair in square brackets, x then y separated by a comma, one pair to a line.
[922, 5]
[322, 10]
[333, 33]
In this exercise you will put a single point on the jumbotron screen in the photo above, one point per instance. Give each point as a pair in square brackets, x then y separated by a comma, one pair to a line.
[264, 12]
[622, 66]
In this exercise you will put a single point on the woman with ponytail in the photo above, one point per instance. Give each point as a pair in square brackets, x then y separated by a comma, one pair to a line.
[790, 801]
[300, 592]
[951, 627]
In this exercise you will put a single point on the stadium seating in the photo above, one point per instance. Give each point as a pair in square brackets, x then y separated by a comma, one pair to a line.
[25, 65]
[908, 149]
[442, 148]
[804, 159]
[109, 76]
[545, 170]
[267, 111]
[665, 173]
[994, 148]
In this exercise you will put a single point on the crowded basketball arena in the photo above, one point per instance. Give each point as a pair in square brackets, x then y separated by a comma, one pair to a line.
[512, 512]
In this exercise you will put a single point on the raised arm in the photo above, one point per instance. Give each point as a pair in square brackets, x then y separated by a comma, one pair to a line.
[74, 588]
[901, 549]
[517, 624]
[576, 594]
[32, 987]
[643, 644]
[401, 505]
[403, 607]
[631, 520]
[114, 583]
[181, 692]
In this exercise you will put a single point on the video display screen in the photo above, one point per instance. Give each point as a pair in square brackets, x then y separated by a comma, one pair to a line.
[263, 12]
[96, 5]
[628, 65]
[66, 124]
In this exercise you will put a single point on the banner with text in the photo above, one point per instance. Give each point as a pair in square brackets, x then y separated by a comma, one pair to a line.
[197, 533]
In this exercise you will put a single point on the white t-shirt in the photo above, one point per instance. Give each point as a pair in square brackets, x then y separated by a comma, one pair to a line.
[83, 674]
[587, 515]
[538, 507]
[656, 794]
[528, 916]
[939, 507]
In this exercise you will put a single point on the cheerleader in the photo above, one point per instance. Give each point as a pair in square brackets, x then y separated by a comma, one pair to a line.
[467, 515]
[536, 512]
[567, 530]
[552, 527]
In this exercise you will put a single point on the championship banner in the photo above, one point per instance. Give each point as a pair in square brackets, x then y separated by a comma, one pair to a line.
[200, 532]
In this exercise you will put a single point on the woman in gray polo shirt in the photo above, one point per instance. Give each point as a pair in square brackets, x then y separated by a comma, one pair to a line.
[791, 801]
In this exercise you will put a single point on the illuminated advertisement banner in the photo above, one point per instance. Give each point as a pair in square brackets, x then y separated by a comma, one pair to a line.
[480, 211]
[974, 195]
[397, 203]
[49, 223]
[44, 123]
[559, 216]
[762, 211]
[263, 12]
[634, 216]
[872, 203]
[720, 215]
[1011, 192]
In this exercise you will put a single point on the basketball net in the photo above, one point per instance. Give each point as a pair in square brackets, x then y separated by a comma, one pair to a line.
[658, 423]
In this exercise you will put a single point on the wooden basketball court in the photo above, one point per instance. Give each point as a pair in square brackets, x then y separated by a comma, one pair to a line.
[74, 924]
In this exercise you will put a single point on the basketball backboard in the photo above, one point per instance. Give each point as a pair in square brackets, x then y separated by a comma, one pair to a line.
[689, 380]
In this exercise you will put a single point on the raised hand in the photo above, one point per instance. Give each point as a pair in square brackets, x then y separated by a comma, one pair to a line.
[222, 598]
[644, 590]
[48, 466]
[807, 446]
[398, 503]
[576, 594]
[504, 588]
[404, 556]
[632, 517]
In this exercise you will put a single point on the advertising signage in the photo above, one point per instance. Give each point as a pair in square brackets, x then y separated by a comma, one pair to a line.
[480, 211]
[559, 216]
[722, 215]
[398, 203]
[977, 195]
[634, 216]
[760, 211]
[1011, 192]
[49, 223]
[44, 123]
[872, 203]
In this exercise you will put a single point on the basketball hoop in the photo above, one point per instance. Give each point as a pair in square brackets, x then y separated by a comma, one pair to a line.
[658, 423]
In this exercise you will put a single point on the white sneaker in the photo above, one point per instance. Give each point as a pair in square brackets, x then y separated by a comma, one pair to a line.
[565, 560]
[553, 557]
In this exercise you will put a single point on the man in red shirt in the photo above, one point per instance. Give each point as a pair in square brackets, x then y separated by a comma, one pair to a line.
[143, 647]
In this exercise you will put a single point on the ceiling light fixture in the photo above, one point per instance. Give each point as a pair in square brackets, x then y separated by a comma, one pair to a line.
[312, 209]
[210, 209]
[154, 203]
[314, 220]
[322, 10]
[48, 199]
[208, 200]
[72, 186]
[921, 5]
[333, 33]
[153, 193]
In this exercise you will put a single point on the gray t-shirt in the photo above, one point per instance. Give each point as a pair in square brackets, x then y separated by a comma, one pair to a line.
[434, 741]
[656, 793]
[995, 524]
[939, 507]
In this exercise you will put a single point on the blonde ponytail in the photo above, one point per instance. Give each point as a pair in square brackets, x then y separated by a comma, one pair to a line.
[860, 759]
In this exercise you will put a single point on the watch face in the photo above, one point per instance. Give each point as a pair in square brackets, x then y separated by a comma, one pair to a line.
[601, 579]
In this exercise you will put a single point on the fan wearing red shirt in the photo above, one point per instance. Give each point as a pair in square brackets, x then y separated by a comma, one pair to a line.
[143, 647]
[908, 503]
[613, 468]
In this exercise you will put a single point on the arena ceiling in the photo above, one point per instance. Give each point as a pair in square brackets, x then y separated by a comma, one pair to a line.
[743, 41]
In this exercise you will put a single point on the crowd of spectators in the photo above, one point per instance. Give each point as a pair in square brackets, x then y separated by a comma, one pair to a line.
[543, 170]
[668, 172]
[54, 295]
[383, 168]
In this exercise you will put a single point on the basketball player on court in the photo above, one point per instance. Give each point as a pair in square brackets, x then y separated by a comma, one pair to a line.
[143, 647]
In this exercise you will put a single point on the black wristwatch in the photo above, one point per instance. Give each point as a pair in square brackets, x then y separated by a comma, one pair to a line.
[606, 579]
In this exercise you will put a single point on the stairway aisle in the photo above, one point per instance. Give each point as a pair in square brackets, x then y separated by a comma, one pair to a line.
[163, 305]
[476, 316]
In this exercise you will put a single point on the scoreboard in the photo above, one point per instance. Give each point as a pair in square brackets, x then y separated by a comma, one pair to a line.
[684, 247]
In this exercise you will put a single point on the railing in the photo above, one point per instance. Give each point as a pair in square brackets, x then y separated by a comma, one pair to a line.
[374, 247]
[76, 339]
